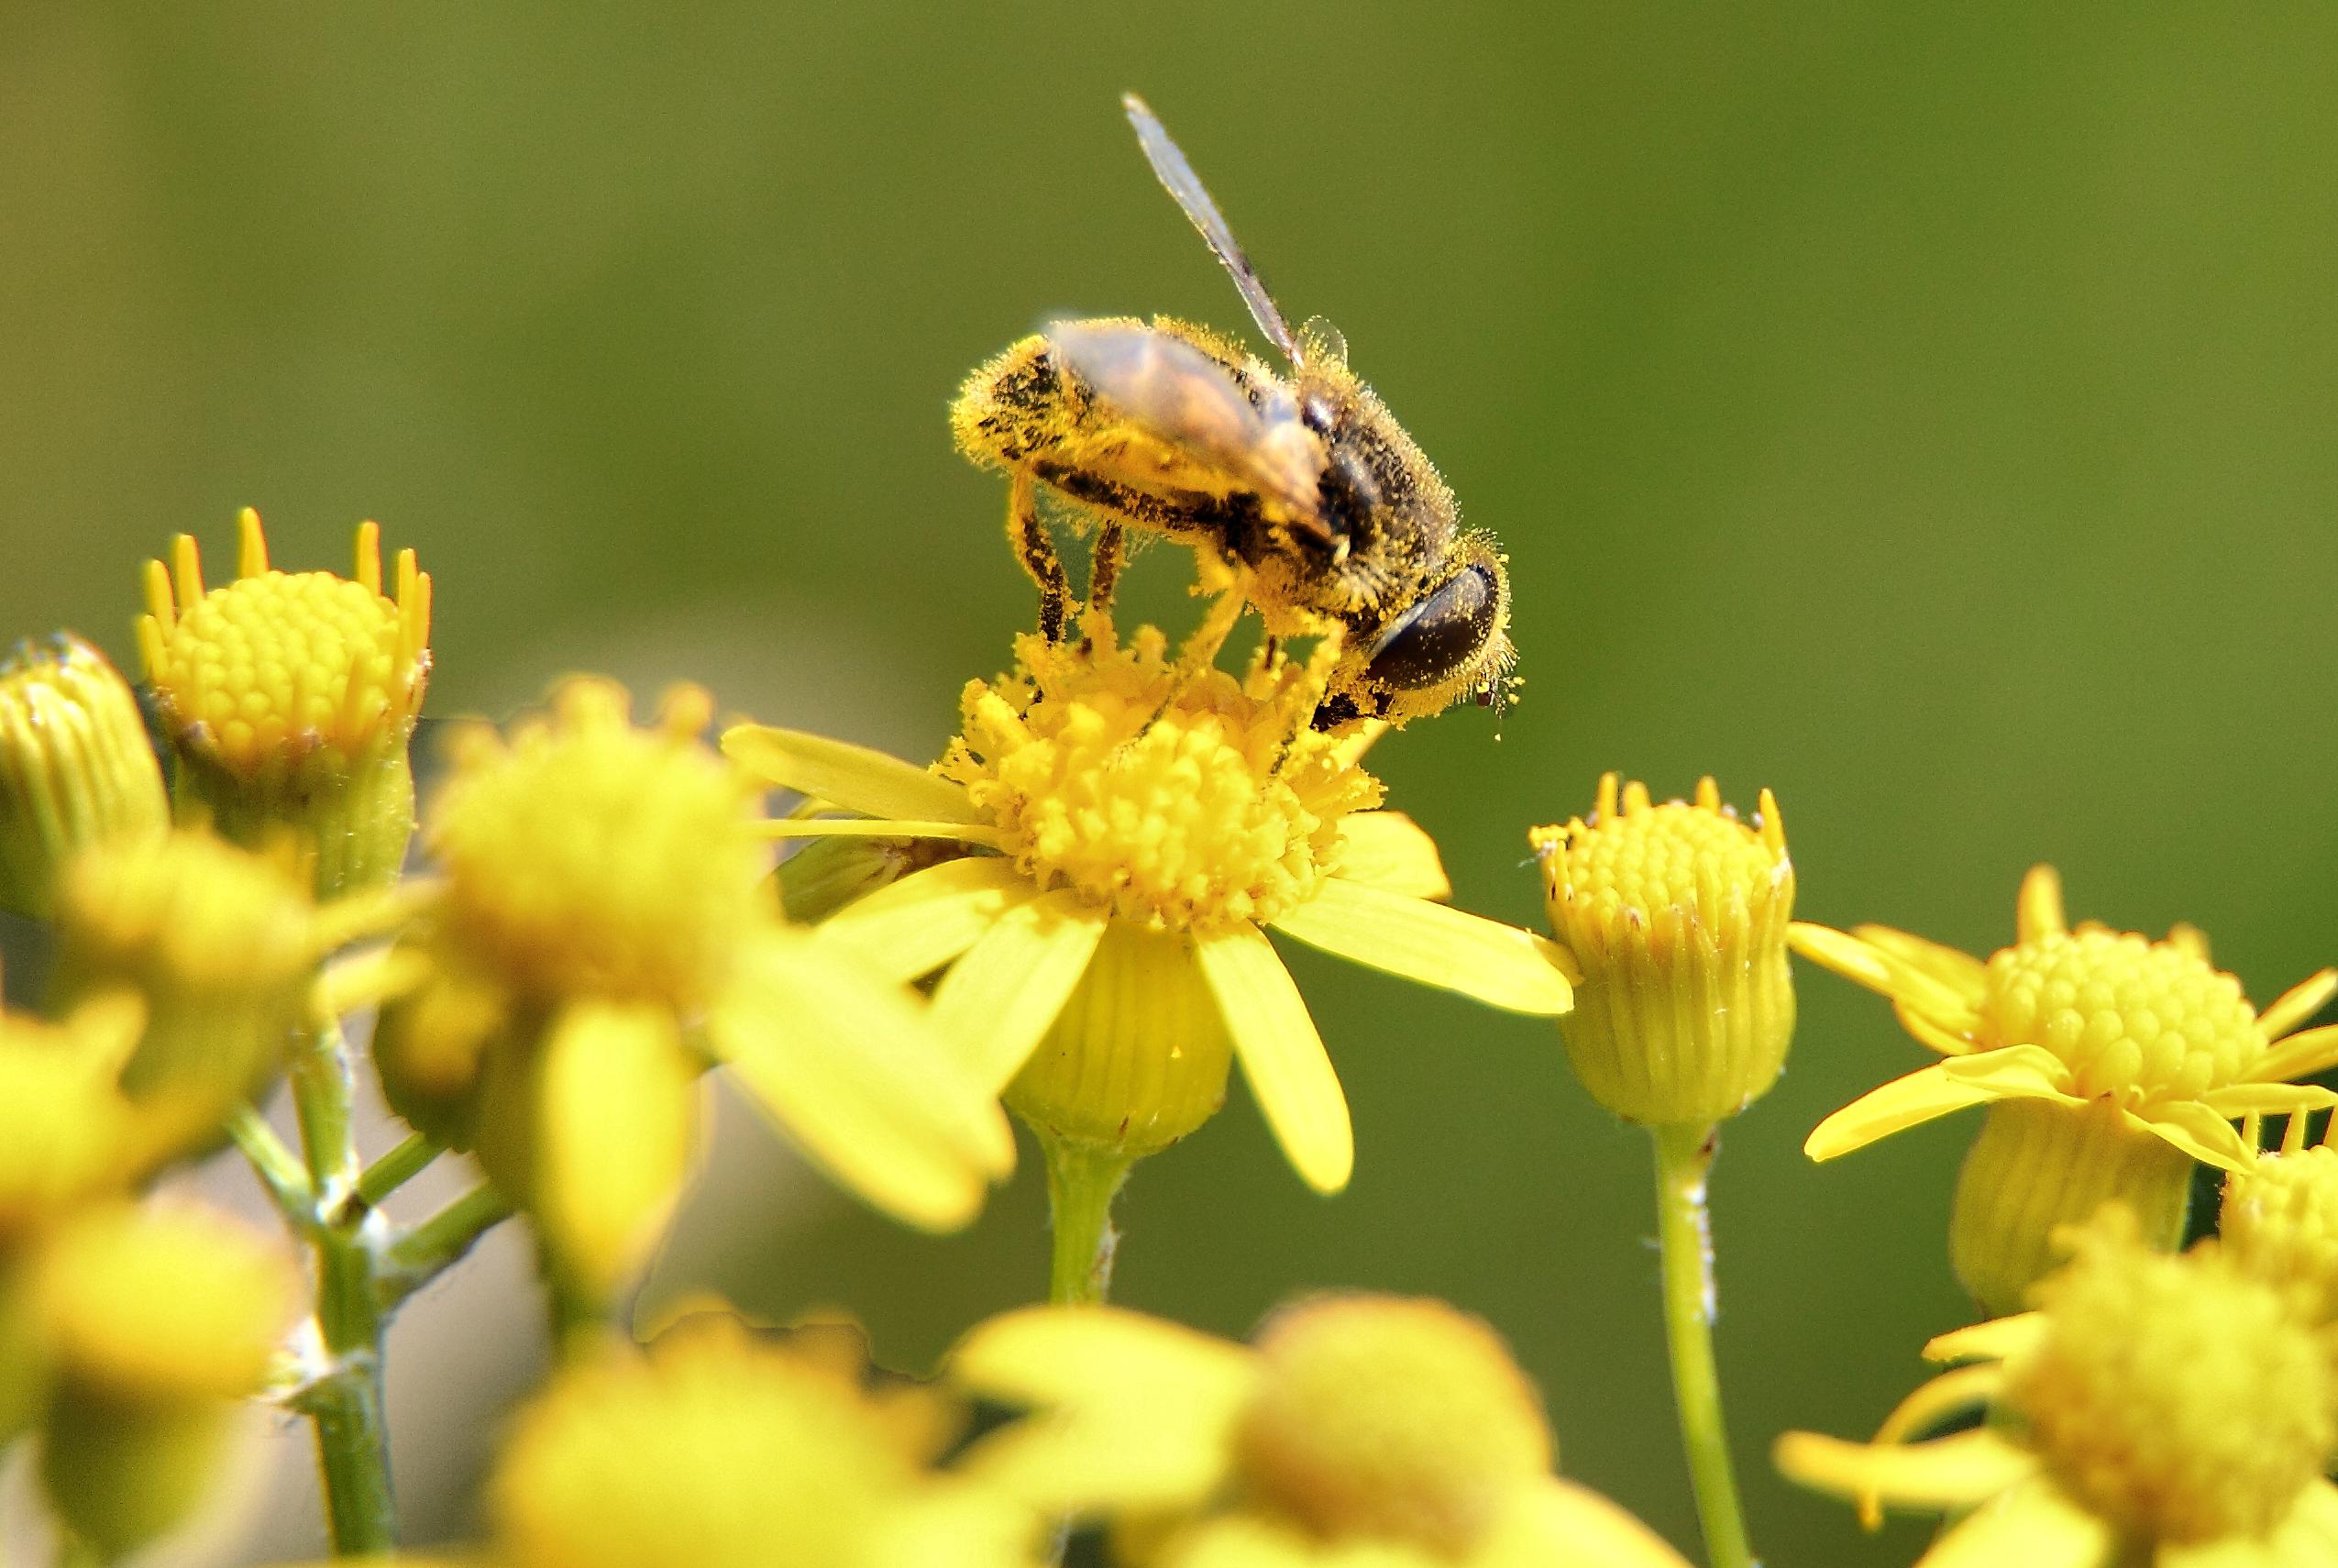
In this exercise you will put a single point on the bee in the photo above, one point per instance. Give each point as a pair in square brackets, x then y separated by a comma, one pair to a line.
[1295, 481]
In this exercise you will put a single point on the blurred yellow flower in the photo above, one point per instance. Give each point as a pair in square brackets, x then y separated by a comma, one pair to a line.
[290, 698]
[75, 766]
[2109, 1062]
[2279, 1219]
[1676, 917]
[600, 915]
[2169, 1411]
[1358, 1428]
[1166, 814]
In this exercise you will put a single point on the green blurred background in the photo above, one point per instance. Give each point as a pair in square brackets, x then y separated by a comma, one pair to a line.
[1926, 411]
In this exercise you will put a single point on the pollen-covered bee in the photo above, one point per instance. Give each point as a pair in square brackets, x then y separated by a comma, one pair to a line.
[1301, 484]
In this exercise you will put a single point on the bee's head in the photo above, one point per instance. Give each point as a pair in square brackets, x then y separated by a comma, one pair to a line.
[1452, 641]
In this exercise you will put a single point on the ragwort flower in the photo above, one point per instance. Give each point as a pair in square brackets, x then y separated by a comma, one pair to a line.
[2165, 1411]
[1148, 820]
[1358, 1429]
[2279, 1219]
[290, 698]
[76, 769]
[600, 933]
[2109, 1062]
[1676, 916]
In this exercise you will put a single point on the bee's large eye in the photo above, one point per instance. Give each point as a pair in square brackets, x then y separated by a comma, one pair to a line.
[1444, 633]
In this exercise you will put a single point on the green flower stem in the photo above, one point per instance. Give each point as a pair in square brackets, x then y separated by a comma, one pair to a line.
[346, 1403]
[424, 1250]
[278, 1169]
[1082, 1181]
[1683, 1160]
[396, 1168]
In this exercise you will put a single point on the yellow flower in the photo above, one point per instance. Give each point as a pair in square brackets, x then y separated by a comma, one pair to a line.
[290, 698]
[2109, 1062]
[1358, 1428]
[1161, 814]
[2279, 1221]
[1676, 916]
[599, 930]
[75, 766]
[156, 1321]
[221, 945]
[2161, 1411]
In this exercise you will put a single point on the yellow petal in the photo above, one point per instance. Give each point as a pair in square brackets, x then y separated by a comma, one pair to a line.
[996, 1001]
[2308, 1538]
[1948, 1472]
[1902, 1103]
[2014, 1072]
[1390, 851]
[2235, 1100]
[1135, 1412]
[1960, 972]
[1557, 1524]
[1841, 951]
[2189, 1125]
[1951, 1394]
[2301, 1056]
[615, 1134]
[2034, 1526]
[2299, 1003]
[1282, 1055]
[1946, 1041]
[874, 827]
[2037, 909]
[848, 1064]
[1993, 1340]
[853, 776]
[914, 926]
[1498, 965]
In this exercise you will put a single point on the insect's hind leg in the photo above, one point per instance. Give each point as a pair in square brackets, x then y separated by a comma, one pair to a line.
[1032, 547]
[1110, 555]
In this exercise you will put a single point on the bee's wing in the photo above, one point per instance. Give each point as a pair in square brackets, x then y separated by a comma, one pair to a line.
[1168, 161]
[1186, 399]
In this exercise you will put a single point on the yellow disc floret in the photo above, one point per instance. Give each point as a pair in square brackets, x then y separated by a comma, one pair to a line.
[2280, 1224]
[714, 1453]
[2131, 1018]
[1677, 915]
[262, 671]
[1377, 1418]
[1168, 793]
[587, 857]
[2175, 1397]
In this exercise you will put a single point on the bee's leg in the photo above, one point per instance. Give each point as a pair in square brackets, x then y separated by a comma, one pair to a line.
[1270, 651]
[1201, 648]
[1104, 569]
[1029, 536]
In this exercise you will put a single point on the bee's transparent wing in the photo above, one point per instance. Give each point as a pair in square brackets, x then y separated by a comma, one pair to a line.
[1177, 176]
[1188, 401]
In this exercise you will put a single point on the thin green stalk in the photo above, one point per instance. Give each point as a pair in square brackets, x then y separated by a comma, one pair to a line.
[1082, 1181]
[346, 1403]
[396, 1168]
[428, 1249]
[278, 1169]
[1683, 1160]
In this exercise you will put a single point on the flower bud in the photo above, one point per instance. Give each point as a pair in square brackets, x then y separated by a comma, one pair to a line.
[290, 700]
[2279, 1223]
[75, 766]
[1676, 915]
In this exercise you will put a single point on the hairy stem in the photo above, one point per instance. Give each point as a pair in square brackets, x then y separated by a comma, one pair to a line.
[1082, 1181]
[1683, 1160]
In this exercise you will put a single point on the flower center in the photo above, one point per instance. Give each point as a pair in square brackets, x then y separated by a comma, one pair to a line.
[2131, 1018]
[1173, 797]
[2175, 1397]
[588, 856]
[274, 667]
[2280, 1224]
[1387, 1418]
[713, 1454]
[1651, 875]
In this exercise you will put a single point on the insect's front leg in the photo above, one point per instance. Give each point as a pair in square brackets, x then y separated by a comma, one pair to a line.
[1104, 569]
[1029, 536]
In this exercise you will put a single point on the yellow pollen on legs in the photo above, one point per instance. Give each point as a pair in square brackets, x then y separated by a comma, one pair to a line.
[2174, 1397]
[2136, 1020]
[1170, 795]
[274, 666]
